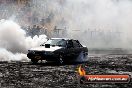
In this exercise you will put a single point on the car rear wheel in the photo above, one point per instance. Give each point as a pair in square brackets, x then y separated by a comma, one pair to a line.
[82, 57]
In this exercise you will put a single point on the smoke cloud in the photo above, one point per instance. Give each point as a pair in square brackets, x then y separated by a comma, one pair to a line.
[14, 43]
[96, 23]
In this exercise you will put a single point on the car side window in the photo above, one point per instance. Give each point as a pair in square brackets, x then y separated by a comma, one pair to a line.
[69, 44]
[76, 43]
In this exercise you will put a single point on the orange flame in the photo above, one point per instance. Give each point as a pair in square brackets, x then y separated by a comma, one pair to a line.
[81, 71]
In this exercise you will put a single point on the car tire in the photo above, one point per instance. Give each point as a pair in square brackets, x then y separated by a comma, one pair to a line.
[81, 57]
[34, 61]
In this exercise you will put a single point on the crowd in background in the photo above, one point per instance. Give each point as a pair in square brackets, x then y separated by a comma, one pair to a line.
[35, 30]
[34, 18]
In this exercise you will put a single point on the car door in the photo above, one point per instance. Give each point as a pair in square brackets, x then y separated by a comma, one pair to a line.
[77, 48]
[81, 49]
[70, 49]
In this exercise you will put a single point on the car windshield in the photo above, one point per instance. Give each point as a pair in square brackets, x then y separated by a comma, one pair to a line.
[56, 42]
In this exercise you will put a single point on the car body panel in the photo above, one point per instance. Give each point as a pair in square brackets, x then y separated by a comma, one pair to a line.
[69, 49]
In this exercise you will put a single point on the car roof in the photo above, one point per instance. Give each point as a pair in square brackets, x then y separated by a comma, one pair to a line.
[62, 38]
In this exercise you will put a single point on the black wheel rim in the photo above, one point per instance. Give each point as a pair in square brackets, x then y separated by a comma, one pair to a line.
[60, 59]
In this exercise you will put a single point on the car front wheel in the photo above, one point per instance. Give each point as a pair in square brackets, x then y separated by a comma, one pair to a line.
[61, 59]
[34, 61]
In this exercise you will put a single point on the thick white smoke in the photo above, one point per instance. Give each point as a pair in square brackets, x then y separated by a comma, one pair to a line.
[101, 23]
[9, 56]
[97, 23]
[13, 41]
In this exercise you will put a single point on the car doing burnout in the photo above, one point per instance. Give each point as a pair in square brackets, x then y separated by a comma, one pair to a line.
[58, 49]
